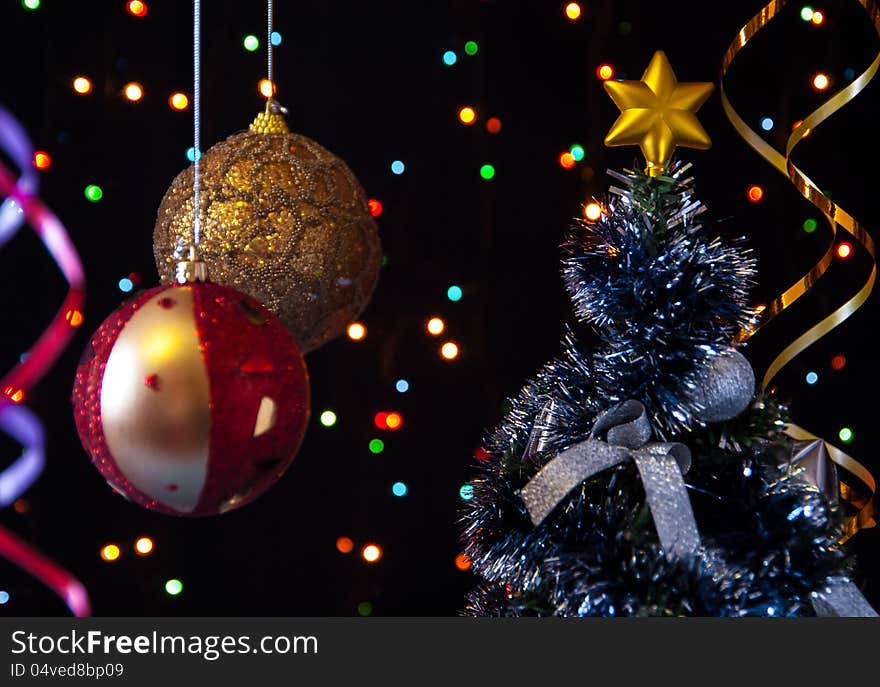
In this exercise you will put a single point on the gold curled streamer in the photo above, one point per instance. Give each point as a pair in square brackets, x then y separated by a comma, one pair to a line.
[835, 216]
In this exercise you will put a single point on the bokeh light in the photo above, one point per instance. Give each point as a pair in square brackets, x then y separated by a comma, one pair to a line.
[846, 435]
[592, 211]
[467, 115]
[344, 545]
[251, 43]
[449, 58]
[376, 446]
[375, 207]
[82, 85]
[755, 193]
[191, 154]
[136, 8]
[143, 546]
[577, 152]
[454, 293]
[818, 18]
[402, 386]
[93, 193]
[125, 285]
[328, 418]
[30, 5]
[838, 362]
[173, 587]
[471, 47]
[573, 11]
[275, 38]
[566, 160]
[812, 378]
[393, 421]
[4, 596]
[371, 553]
[110, 552]
[42, 160]
[449, 350]
[178, 101]
[133, 91]
[356, 331]
[462, 562]
[487, 172]
[844, 250]
[605, 72]
[466, 492]
[399, 489]
[397, 167]
[379, 419]
[481, 454]
[21, 506]
[767, 123]
[806, 13]
[810, 225]
[435, 326]
[821, 82]
[267, 88]
[365, 608]
[493, 125]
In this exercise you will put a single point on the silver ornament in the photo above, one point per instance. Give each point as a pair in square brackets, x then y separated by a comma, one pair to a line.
[725, 385]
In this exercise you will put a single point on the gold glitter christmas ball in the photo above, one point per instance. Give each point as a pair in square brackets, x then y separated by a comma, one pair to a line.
[282, 220]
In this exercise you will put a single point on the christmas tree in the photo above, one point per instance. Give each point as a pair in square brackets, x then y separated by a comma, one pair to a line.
[638, 474]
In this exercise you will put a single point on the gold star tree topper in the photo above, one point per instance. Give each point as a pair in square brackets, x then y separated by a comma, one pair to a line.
[658, 113]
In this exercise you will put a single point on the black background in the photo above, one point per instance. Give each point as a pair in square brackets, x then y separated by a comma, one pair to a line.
[366, 80]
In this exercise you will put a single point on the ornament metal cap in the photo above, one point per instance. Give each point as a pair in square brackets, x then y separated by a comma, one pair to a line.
[191, 270]
[271, 120]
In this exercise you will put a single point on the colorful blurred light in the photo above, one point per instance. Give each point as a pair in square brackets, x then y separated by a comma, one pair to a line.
[767, 123]
[399, 489]
[328, 418]
[605, 72]
[267, 88]
[178, 101]
[812, 378]
[806, 13]
[471, 47]
[173, 587]
[136, 8]
[4, 595]
[251, 43]
[275, 38]
[191, 154]
[93, 193]
[402, 386]
[393, 421]
[844, 250]
[82, 85]
[592, 211]
[466, 492]
[356, 331]
[376, 446]
[810, 225]
[467, 115]
[818, 18]
[435, 326]
[493, 125]
[365, 608]
[566, 160]
[449, 58]
[449, 350]
[487, 172]
[380, 420]
[371, 553]
[454, 293]
[462, 562]
[821, 82]
[846, 435]
[375, 207]
[573, 11]
[397, 167]
[143, 546]
[481, 454]
[344, 545]
[838, 362]
[133, 91]
[30, 5]
[125, 285]
[110, 552]
[755, 193]
[42, 160]
[577, 152]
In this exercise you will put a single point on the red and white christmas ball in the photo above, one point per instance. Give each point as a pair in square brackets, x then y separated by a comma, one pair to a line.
[191, 399]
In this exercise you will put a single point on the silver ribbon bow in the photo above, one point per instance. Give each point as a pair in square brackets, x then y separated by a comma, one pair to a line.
[661, 465]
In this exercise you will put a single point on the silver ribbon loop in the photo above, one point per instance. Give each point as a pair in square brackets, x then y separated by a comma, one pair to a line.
[660, 466]
[842, 599]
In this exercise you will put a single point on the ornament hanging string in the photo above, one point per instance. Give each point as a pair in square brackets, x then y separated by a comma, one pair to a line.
[862, 497]
[197, 111]
[269, 75]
